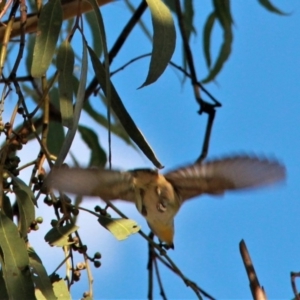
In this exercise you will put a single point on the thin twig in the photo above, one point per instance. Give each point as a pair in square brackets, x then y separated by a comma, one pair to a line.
[150, 268]
[257, 291]
[294, 275]
[119, 43]
[205, 107]
[161, 288]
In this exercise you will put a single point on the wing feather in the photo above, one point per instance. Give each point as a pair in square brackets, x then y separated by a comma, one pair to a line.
[107, 184]
[231, 173]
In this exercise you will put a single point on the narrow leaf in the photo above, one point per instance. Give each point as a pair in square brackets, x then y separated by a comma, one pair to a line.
[270, 7]
[48, 30]
[98, 155]
[222, 11]
[116, 128]
[121, 112]
[95, 32]
[41, 278]
[164, 39]
[189, 18]
[26, 210]
[25, 200]
[78, 107]
[14, 261]
[120, 228]
[65, 65]
[56, 134]
[7, 208]
[59, 236]
[207, 37]
[55, 137]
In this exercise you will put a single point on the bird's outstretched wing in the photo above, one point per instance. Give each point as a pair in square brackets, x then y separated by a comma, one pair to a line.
[230, 173]
[107, 184]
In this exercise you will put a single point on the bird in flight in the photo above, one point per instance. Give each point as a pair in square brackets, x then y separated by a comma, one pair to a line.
[159, 197]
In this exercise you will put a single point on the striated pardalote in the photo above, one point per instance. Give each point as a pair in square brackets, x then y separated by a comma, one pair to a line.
[158, 197]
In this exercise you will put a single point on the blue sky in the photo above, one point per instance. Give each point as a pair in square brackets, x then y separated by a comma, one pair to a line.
[259, 90]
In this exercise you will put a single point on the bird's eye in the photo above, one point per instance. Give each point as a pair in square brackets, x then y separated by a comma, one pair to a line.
[161, 206]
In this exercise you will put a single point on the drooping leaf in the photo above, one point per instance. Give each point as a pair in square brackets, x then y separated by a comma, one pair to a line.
[207, 37]
[222, 11]
[189, 18]
[116, 128]
[102, 37]
[121, 112]
[14, 261]
[120, 228]
[26, 201]
[48, 30]
[164, 39]
[65, 66]
[78, 107]
[7, 208]
[95, 32]
[40, 276]
[98, 155]
[56, 134]
[26, 210]
[59, 236]
[267, 4]
[55, 137]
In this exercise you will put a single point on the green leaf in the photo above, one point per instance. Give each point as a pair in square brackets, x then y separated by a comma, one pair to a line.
[49, 26]
[14, 261]
[30, 41]
[222, 11]
[95, 32]
[61, 290]
[164, 39]
[59, 236]
[189, 18]
[78, 107]
[55, 137]
[26, 210]
[98, 155]
[270, 7]
[121, 112]
[120, 228]
[7, 208]
[40, 276]
[26, 201]
[56, 134]
[207, 37]
[65, 66]
[20, 184]
[116, 128]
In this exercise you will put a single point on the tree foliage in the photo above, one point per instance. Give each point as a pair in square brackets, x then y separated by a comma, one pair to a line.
[47, 44]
